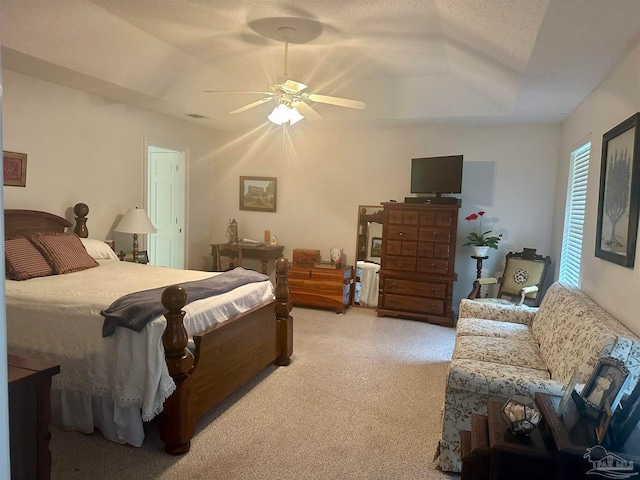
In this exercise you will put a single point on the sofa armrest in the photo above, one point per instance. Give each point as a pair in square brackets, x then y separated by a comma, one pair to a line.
[522, 314]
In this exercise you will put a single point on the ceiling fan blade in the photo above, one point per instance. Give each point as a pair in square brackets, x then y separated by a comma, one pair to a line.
[306, 111]
[231, 91]
[293, 86]
[341, 102]
[251, 105]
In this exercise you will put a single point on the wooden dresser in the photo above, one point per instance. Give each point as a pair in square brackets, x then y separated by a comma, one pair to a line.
[322, 287]
[417, 263]
[29, 417]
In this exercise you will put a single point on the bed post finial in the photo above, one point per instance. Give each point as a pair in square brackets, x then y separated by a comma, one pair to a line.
[177, 420]
[81, 210]
[283, 307]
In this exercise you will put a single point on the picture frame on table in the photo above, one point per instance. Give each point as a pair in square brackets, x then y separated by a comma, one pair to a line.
[14, 167]
[605, 385]
[568, 392]
[258, 193]
[143, 257]
[619, 196]
[603, 425]
[626, 417]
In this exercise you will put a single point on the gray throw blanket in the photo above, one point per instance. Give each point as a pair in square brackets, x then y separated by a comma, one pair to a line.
[135, 310]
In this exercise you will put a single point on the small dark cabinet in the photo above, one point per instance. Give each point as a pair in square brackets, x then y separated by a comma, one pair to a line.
[29, 417]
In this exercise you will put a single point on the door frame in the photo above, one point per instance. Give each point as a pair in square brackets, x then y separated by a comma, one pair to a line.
[154, 142]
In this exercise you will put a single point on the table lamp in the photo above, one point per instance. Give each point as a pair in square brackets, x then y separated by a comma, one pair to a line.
[137, 222]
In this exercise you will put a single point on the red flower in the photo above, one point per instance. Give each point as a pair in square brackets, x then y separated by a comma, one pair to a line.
[480, 213]
[473, 216]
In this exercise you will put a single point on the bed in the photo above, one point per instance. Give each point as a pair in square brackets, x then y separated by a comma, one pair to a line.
[175, 368]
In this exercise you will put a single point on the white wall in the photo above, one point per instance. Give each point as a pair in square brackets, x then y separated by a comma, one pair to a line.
[614, 287]
[324, 173]
[83, 148]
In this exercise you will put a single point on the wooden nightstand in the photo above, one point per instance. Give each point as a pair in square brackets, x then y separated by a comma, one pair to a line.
[29, 416]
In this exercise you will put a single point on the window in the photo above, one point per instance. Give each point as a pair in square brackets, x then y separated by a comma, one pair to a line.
[574, 216]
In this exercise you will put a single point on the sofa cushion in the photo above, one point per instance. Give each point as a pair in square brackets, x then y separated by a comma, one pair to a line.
[493, 328]
[517, 353]
[473, 376]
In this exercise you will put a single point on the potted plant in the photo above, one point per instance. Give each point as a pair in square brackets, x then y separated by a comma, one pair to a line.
[481, 241]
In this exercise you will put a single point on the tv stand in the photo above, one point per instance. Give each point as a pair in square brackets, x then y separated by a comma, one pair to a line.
[437, 200]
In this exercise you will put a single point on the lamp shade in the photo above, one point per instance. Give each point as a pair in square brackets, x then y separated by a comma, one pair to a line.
[135, 221]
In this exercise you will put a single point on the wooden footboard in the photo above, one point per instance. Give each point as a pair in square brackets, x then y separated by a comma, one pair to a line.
[226, 356]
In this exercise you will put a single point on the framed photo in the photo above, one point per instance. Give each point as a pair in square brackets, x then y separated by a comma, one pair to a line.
[626, 418]
[14, 166]
[603, 424]
[143, 257]
[567, 393]
[258, 193]
[376, 247]
[619, 199]
[606, 384]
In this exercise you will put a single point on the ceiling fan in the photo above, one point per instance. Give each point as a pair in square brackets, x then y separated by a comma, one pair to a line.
[292, 104]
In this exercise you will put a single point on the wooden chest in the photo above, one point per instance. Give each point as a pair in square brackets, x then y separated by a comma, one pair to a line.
[322, 287]
[417, 263]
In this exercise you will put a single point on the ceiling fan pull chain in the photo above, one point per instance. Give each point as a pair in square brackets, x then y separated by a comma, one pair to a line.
[286, 54]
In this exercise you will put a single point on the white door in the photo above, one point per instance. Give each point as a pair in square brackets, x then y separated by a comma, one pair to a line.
[166, 206]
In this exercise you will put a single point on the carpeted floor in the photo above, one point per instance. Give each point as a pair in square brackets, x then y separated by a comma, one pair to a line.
[361, 400]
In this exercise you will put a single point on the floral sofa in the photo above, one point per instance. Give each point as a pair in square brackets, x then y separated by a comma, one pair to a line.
[503, 350]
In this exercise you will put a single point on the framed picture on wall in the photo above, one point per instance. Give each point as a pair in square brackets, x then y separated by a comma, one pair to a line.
[14, 166]
[258, 193]
[376, 247]
[619, 197]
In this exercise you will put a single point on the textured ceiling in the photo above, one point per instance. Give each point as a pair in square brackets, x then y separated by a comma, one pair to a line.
[411, 61]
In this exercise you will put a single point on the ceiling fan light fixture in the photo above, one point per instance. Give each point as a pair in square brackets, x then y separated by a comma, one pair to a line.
[283, 114]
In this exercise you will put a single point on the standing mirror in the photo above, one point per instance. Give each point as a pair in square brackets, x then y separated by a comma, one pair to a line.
[368, 251]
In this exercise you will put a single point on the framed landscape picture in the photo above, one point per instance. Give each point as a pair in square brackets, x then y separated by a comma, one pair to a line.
[258, 193]
[14, 166]
[619, 200]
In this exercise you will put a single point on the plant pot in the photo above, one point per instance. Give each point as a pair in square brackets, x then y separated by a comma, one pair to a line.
[480, 251]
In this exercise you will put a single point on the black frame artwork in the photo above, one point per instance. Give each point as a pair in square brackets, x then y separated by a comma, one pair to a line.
[619, 197]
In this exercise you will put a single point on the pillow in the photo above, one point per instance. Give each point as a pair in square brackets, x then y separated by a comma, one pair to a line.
[64, 252]
[23, 261]
[98, 250]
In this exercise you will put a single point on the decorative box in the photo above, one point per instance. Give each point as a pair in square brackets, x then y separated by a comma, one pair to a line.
[305, 257]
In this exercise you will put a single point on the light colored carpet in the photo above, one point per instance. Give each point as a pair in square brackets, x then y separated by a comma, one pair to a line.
[362, 399]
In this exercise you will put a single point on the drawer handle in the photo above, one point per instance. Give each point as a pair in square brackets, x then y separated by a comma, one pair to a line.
[399, 263]
[434, 234]
[432, 266]
[401, 233]
[394, 303]
[435, 290]
[392, 286]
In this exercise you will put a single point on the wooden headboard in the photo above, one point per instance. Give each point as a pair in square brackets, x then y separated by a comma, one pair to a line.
[26, 222]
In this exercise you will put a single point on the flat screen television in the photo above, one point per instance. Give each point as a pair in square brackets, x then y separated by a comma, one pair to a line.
[436, 175]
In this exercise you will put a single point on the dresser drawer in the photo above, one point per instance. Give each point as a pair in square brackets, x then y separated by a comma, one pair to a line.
[402, 232]
[430, 249]
[400, 286]
[434, 234]
[397, 247]
[408, 303]
[402, 264]
[439, 219]
[399, 217]
[432, 265]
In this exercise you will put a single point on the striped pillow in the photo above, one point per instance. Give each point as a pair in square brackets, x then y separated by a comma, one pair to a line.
[23, 261]
[64, 252]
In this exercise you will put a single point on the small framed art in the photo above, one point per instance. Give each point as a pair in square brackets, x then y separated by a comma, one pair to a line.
[605, 385]
[258, 193]
[14, 166]
[619, 197]
[376, 247]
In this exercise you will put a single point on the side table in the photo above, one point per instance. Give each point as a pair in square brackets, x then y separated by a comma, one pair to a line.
[497, 454]
[479, 261]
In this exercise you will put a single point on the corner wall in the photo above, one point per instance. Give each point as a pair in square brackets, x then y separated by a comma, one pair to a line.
[615, 288]
[84, 148]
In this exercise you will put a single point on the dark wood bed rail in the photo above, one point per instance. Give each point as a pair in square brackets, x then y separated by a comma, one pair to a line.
[262, 335]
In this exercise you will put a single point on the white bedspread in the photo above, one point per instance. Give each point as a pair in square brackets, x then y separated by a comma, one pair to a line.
[58, 319]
